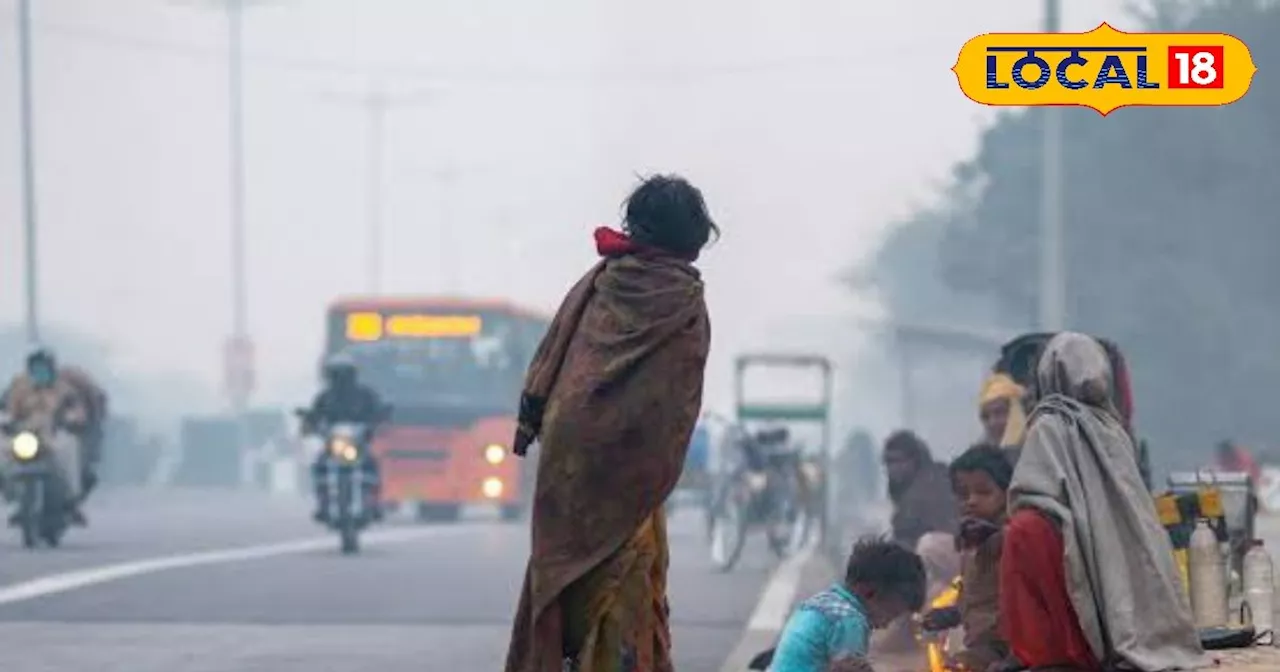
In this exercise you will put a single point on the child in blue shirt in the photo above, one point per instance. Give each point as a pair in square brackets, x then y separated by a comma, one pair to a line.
[882, 581]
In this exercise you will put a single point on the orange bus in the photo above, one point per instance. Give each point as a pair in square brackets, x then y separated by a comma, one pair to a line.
[452, 369]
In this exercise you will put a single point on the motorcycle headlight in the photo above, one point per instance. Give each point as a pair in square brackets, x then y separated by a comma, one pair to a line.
[495, 454]
[25, 446]
[343, 449]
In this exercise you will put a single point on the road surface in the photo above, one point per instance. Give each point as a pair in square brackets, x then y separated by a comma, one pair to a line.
[211, 582]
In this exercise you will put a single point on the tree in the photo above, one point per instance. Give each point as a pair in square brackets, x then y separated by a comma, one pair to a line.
[1172, 243]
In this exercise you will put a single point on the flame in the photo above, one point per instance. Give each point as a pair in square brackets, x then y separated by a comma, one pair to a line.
[936, 644]
[937, 661]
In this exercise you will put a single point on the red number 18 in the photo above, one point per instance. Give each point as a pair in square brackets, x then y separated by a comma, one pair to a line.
[1195, 67]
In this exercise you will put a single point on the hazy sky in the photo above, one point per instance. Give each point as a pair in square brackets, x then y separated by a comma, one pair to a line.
[809, 124]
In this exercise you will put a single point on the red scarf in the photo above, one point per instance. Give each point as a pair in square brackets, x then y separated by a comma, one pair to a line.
[612, 243]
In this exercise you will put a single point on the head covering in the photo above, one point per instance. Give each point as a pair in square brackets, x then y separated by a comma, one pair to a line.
[999, 386]
[1002, 386]
[42, 366]
[1079, 468]
[340, 369]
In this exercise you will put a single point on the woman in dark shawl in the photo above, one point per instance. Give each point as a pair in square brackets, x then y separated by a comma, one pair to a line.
[612, 397]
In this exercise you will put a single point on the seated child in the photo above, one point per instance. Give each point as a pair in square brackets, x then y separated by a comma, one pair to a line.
[980, 479]
[882, 581]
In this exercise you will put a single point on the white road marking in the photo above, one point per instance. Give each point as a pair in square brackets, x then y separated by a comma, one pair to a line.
[780, 592]
[771, 611]
[54, 584]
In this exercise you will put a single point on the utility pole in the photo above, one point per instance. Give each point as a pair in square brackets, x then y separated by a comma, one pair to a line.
[1053, 306]
[239, 348]
[238, 351]
[447, 179]
[376, 104]
[377, 111]
[235, 98]
[30, 252]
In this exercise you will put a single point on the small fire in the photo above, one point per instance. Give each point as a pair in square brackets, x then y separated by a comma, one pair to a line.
[936, 643]
[937, 662]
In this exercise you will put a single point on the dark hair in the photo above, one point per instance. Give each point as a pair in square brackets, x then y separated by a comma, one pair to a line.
[882, 563]
[905, 441]
[667, 212]
[988, 459]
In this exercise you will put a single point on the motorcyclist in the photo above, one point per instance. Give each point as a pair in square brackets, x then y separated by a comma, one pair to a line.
[42, 399]
[343, 400]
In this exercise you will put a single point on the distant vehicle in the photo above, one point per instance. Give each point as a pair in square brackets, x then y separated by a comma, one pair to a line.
[351, 491]
[452, 369]
[786, 493]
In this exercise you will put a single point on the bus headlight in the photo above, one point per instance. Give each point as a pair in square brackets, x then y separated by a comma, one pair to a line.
[492, 487]
[26, 446]
[494, 454]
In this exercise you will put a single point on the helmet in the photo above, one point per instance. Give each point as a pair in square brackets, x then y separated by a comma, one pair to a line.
[42, 365]
[40, 353]
[339, 368]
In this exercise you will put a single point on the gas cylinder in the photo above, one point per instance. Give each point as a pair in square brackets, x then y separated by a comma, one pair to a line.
[1208, 584]
[1259, 589]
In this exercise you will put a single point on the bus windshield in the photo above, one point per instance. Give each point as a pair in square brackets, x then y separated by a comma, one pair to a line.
[440, 371]
[416, 361]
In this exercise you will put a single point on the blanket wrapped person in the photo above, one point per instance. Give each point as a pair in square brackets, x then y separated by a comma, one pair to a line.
[611, 397]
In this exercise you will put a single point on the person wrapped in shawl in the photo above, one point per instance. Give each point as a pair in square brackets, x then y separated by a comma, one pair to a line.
[612, 397]
[1087, 575]
[1000, 409]
[924, 520]
[920, 490]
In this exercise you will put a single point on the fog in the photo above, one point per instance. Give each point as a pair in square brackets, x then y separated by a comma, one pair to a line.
[518, 127]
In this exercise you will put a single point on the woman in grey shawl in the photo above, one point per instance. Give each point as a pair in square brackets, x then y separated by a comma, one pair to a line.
[1088, 580]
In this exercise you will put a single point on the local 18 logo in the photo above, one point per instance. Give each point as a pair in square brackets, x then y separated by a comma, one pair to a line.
[1104, 69]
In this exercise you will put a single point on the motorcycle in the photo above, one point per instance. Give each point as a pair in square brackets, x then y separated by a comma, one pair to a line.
[772, 498]
[352, 487]
[37, 482]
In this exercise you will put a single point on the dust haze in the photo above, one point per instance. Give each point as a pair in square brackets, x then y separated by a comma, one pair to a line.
[513, 129]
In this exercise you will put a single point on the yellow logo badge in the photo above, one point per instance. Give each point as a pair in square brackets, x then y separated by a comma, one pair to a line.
[1104, 69]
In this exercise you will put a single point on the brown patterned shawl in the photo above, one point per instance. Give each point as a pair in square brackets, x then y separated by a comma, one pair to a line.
[612, 395]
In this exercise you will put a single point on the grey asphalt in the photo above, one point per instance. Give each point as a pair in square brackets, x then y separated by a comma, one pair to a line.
[440, 602]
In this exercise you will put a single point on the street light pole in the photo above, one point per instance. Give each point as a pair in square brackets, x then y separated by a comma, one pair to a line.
[376, 105]
[28, 175]
[239, 349]
[1052, 263]
[235, 97]
[238, 354]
